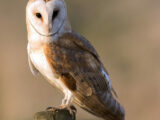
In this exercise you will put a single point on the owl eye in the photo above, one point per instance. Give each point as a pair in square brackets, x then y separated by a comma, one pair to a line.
[38, 15]
[55, 13]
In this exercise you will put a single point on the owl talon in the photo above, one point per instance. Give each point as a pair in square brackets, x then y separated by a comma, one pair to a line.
[51, 109]
[72, 110]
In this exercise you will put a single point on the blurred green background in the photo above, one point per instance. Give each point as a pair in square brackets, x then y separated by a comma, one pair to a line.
[126, 35]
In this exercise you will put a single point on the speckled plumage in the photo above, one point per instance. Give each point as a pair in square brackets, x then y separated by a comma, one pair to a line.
[70, 63]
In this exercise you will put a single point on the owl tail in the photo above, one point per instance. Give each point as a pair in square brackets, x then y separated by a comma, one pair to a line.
[104, 106]
[113, 110]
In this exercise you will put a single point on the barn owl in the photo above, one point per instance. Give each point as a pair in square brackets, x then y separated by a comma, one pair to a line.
[68, 61]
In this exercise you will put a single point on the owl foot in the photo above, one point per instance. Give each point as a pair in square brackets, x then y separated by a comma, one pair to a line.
[72, 110]
[51, 109]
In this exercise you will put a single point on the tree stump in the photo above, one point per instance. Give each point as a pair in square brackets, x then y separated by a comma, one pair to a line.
[56, 114]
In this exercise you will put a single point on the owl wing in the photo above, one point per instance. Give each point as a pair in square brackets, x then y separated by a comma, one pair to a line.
[83, 43]
[73, 56]
[96, 74]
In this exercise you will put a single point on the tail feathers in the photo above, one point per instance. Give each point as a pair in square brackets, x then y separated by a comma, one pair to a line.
[115, 109]
[102, 105]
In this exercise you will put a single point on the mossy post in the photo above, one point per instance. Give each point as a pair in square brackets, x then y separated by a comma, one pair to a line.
[56, 114]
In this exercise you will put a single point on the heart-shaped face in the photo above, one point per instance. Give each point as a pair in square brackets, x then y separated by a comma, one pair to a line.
[46, 17]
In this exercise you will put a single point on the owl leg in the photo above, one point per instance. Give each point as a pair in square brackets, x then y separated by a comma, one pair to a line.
[68, 98]
[67, 102]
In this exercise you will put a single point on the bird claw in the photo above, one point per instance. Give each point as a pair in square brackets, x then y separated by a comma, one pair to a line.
[51, 109]
[72, 110]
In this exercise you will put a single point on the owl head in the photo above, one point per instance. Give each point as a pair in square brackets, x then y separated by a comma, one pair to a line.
[47, 17]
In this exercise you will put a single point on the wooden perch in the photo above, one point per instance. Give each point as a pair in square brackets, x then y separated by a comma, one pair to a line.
[56, 114]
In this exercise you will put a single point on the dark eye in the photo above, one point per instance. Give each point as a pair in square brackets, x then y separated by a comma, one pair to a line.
[55, 13]
[38, 15]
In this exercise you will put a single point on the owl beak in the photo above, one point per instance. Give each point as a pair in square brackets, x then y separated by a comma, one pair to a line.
[49, 28]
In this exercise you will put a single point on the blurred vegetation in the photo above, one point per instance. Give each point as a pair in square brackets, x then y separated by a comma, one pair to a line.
[126, 36]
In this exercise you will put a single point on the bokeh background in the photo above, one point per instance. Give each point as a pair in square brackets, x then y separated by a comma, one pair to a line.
[126, 34]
